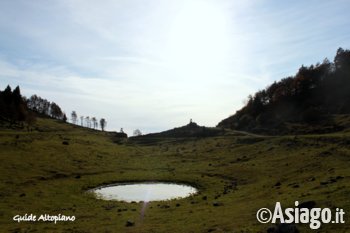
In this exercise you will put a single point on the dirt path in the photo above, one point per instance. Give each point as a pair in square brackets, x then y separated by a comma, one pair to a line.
[250, 134]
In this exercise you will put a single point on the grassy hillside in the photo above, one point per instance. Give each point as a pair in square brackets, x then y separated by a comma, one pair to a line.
[49, 169]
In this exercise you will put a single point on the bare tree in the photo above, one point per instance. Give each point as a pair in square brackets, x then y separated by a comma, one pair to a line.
[55, 111]
[137, 132]
[88, 123]
[94, 122]
[103, 124]
[38, 104]
[74, 117]
[64, 117]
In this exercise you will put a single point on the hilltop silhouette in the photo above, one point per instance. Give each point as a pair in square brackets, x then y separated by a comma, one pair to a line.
[305, 103]
[192, 129]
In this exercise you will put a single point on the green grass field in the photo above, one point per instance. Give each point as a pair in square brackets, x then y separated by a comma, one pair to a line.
[41, 175]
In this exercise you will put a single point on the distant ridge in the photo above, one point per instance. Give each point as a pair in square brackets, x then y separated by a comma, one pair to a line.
[189, 130]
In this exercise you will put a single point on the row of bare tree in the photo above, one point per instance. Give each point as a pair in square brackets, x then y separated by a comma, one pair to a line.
[87, 121]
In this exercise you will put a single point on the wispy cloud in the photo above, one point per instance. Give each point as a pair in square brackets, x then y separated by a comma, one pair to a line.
[155, 64]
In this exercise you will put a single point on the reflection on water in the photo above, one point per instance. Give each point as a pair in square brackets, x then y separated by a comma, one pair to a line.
[144, 192]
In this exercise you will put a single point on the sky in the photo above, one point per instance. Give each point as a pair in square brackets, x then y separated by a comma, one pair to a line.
[155, 64]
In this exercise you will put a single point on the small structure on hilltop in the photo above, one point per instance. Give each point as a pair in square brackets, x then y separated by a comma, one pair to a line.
[120, 134]
[192, 124]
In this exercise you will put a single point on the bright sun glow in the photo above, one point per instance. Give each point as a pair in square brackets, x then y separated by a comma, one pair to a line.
[198, 43]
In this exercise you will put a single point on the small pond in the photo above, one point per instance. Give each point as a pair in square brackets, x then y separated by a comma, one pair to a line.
[144, 192]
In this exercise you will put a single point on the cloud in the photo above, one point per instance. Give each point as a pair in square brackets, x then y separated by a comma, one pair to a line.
[155, 64]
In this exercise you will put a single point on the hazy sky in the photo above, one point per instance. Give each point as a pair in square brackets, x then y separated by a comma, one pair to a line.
[154, 64]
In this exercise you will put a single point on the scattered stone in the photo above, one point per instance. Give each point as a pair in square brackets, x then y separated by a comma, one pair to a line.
[278, 184]
[311, 179]
[177, 204]
[165, 206]
[332, 180]
[296, 186]
[65, 143]
[325, 153]
[271, 230]
[204, 198]
[22, 195]
[130, 223]
[283, 228]
[307, 204]
[339, 177]
[60, 175]
[77, 177]
[109, 207]
[217, 204]
[42, 178]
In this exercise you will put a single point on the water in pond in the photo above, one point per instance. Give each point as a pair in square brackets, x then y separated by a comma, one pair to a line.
[144, 192]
